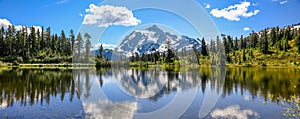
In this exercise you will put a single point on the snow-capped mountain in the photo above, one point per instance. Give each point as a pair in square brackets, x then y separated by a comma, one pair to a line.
[155, 39]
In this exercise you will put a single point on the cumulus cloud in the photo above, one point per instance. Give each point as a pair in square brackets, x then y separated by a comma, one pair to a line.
[234, 12]
[283, 2]
[233, 112]
[246, 28]
[207, 6]
[5, 23]
[104, 16]
[106, 46]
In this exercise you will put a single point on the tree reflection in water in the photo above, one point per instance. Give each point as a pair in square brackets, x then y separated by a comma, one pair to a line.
[272, 84]
[31, 86]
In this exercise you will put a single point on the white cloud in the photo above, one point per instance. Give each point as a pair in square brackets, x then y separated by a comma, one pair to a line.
[283, 2]
[246, 28]
[106, 46]
[104, 16]
[80, 14]
[234, 12]
[5, 23]
[207, 6]
[233, 112]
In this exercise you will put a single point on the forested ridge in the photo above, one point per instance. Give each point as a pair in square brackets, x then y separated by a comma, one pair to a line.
[271, 46]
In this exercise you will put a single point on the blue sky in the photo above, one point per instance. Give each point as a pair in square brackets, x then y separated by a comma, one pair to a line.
[70, 14]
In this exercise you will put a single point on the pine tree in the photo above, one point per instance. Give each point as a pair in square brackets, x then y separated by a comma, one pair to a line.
[143, 58]
[2, 41]
[68, 49]
[63, 43]
[298, 43]
[264, 42]
[285, 45]
[273, 37]
[79, 44]
[230, 42]
[9, 39]
[236, 45]
[196, 54]
[88, 46]
[48, 42]
[38, 40]
[204, 48]
[72, 38]
[101, 51]
[32, 41]
[137, 57]
[42, 43]
[25, 51]
[287, 34]
[254, 39]
[244, 56]
[286, 39]
[242, 42]
[227, 50]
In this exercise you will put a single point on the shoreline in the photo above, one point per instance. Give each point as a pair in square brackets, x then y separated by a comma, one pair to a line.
[74, 66]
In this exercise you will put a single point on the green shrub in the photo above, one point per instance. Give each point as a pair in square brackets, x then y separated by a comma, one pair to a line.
[248, 65]
[16, 63]
[275, 64]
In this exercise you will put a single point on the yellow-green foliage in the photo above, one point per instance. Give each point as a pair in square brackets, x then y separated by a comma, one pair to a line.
[275, 58]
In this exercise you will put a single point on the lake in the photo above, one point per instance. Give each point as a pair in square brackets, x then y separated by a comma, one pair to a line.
[149, 93]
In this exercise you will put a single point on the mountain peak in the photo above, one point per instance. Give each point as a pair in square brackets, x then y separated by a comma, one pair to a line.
[155, 28]
[143, 41]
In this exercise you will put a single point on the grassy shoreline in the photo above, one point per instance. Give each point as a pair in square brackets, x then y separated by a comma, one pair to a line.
[46, 65]
[149, 66]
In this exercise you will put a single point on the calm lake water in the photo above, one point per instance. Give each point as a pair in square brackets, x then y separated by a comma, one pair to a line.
[155, 93]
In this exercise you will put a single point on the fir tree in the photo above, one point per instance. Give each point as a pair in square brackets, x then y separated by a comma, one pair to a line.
[204, 51]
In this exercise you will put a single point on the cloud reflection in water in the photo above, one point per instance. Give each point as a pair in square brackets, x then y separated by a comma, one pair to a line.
[109, 110]
[233, 112]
